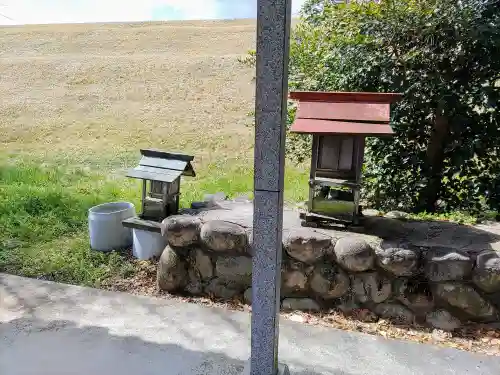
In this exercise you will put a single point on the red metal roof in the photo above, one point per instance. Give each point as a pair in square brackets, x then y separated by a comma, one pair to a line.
[375, 112]
[343, 97]
[340, 127]
[364, 113]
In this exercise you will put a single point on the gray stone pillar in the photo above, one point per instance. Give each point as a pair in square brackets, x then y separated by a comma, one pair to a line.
[273, 39]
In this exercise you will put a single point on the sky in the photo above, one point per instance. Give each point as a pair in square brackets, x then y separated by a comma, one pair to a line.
[19, 12]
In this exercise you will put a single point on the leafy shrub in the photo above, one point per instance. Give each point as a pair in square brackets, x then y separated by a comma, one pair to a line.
[444, 57]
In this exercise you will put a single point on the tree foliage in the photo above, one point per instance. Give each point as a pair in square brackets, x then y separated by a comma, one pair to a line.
[444, 57]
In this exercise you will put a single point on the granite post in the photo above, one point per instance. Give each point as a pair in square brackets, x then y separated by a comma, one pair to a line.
[273, 39]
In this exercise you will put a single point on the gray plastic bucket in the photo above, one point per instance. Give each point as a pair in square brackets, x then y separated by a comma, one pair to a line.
[105, 226]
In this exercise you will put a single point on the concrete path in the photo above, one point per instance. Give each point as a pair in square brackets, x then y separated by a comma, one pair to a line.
[49, 328]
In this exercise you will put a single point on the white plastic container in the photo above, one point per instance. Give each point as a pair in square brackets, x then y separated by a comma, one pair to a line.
[147, 244]
[105, 226]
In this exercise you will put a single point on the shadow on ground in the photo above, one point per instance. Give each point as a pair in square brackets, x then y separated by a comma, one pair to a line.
[471, 239]
[32, 344]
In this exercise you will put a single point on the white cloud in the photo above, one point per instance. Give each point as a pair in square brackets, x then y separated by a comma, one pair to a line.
[193, 9]
[73, 11]
[76, 11]
[296, 5]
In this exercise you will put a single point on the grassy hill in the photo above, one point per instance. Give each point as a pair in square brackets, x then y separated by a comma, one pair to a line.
[101, 90]
[77, 103]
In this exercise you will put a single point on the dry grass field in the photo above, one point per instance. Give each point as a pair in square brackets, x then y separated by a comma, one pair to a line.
[98, 91]
[77, 104]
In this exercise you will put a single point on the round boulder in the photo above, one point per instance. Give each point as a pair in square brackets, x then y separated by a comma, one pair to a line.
[217, 197]
[394, 312]
[348, 304]
[466, 299]
[444, 264]
[222, 236]
[329, 281]
[486, 275]
[369, 212]
[354, 254]
[172, 272]
[396, 215]
[249, 232]
[307, 246]
[247, 296]
[371, 287]
[301, 304]
[398, 259]
[194, 286]
[293, 281]
[203, 264]
[181, 230]
[235, 269]
[414, 295]
[222, 289]
[442, 319]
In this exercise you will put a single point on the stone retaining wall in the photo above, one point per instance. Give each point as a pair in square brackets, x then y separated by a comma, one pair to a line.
[441, 287]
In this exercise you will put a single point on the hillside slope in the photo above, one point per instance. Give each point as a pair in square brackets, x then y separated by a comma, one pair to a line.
[103, 90]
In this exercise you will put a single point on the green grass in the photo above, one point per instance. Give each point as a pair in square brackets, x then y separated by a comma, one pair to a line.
[43, 215]
[67, 260]
[237, 180]
[459, 217]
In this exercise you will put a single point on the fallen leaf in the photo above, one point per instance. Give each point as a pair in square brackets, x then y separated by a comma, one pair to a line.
[297, 318]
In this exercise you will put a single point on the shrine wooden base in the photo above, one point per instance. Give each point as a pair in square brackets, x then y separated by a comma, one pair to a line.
[313, 220]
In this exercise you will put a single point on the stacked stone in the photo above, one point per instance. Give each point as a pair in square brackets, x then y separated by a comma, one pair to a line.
[395, 280]
[343, 272]
[210, 258]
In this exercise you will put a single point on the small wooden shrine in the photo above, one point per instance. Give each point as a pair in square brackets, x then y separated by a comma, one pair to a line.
[160, 172]
[339, 123]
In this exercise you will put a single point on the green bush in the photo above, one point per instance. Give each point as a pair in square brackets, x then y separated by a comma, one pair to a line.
[444, 57]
